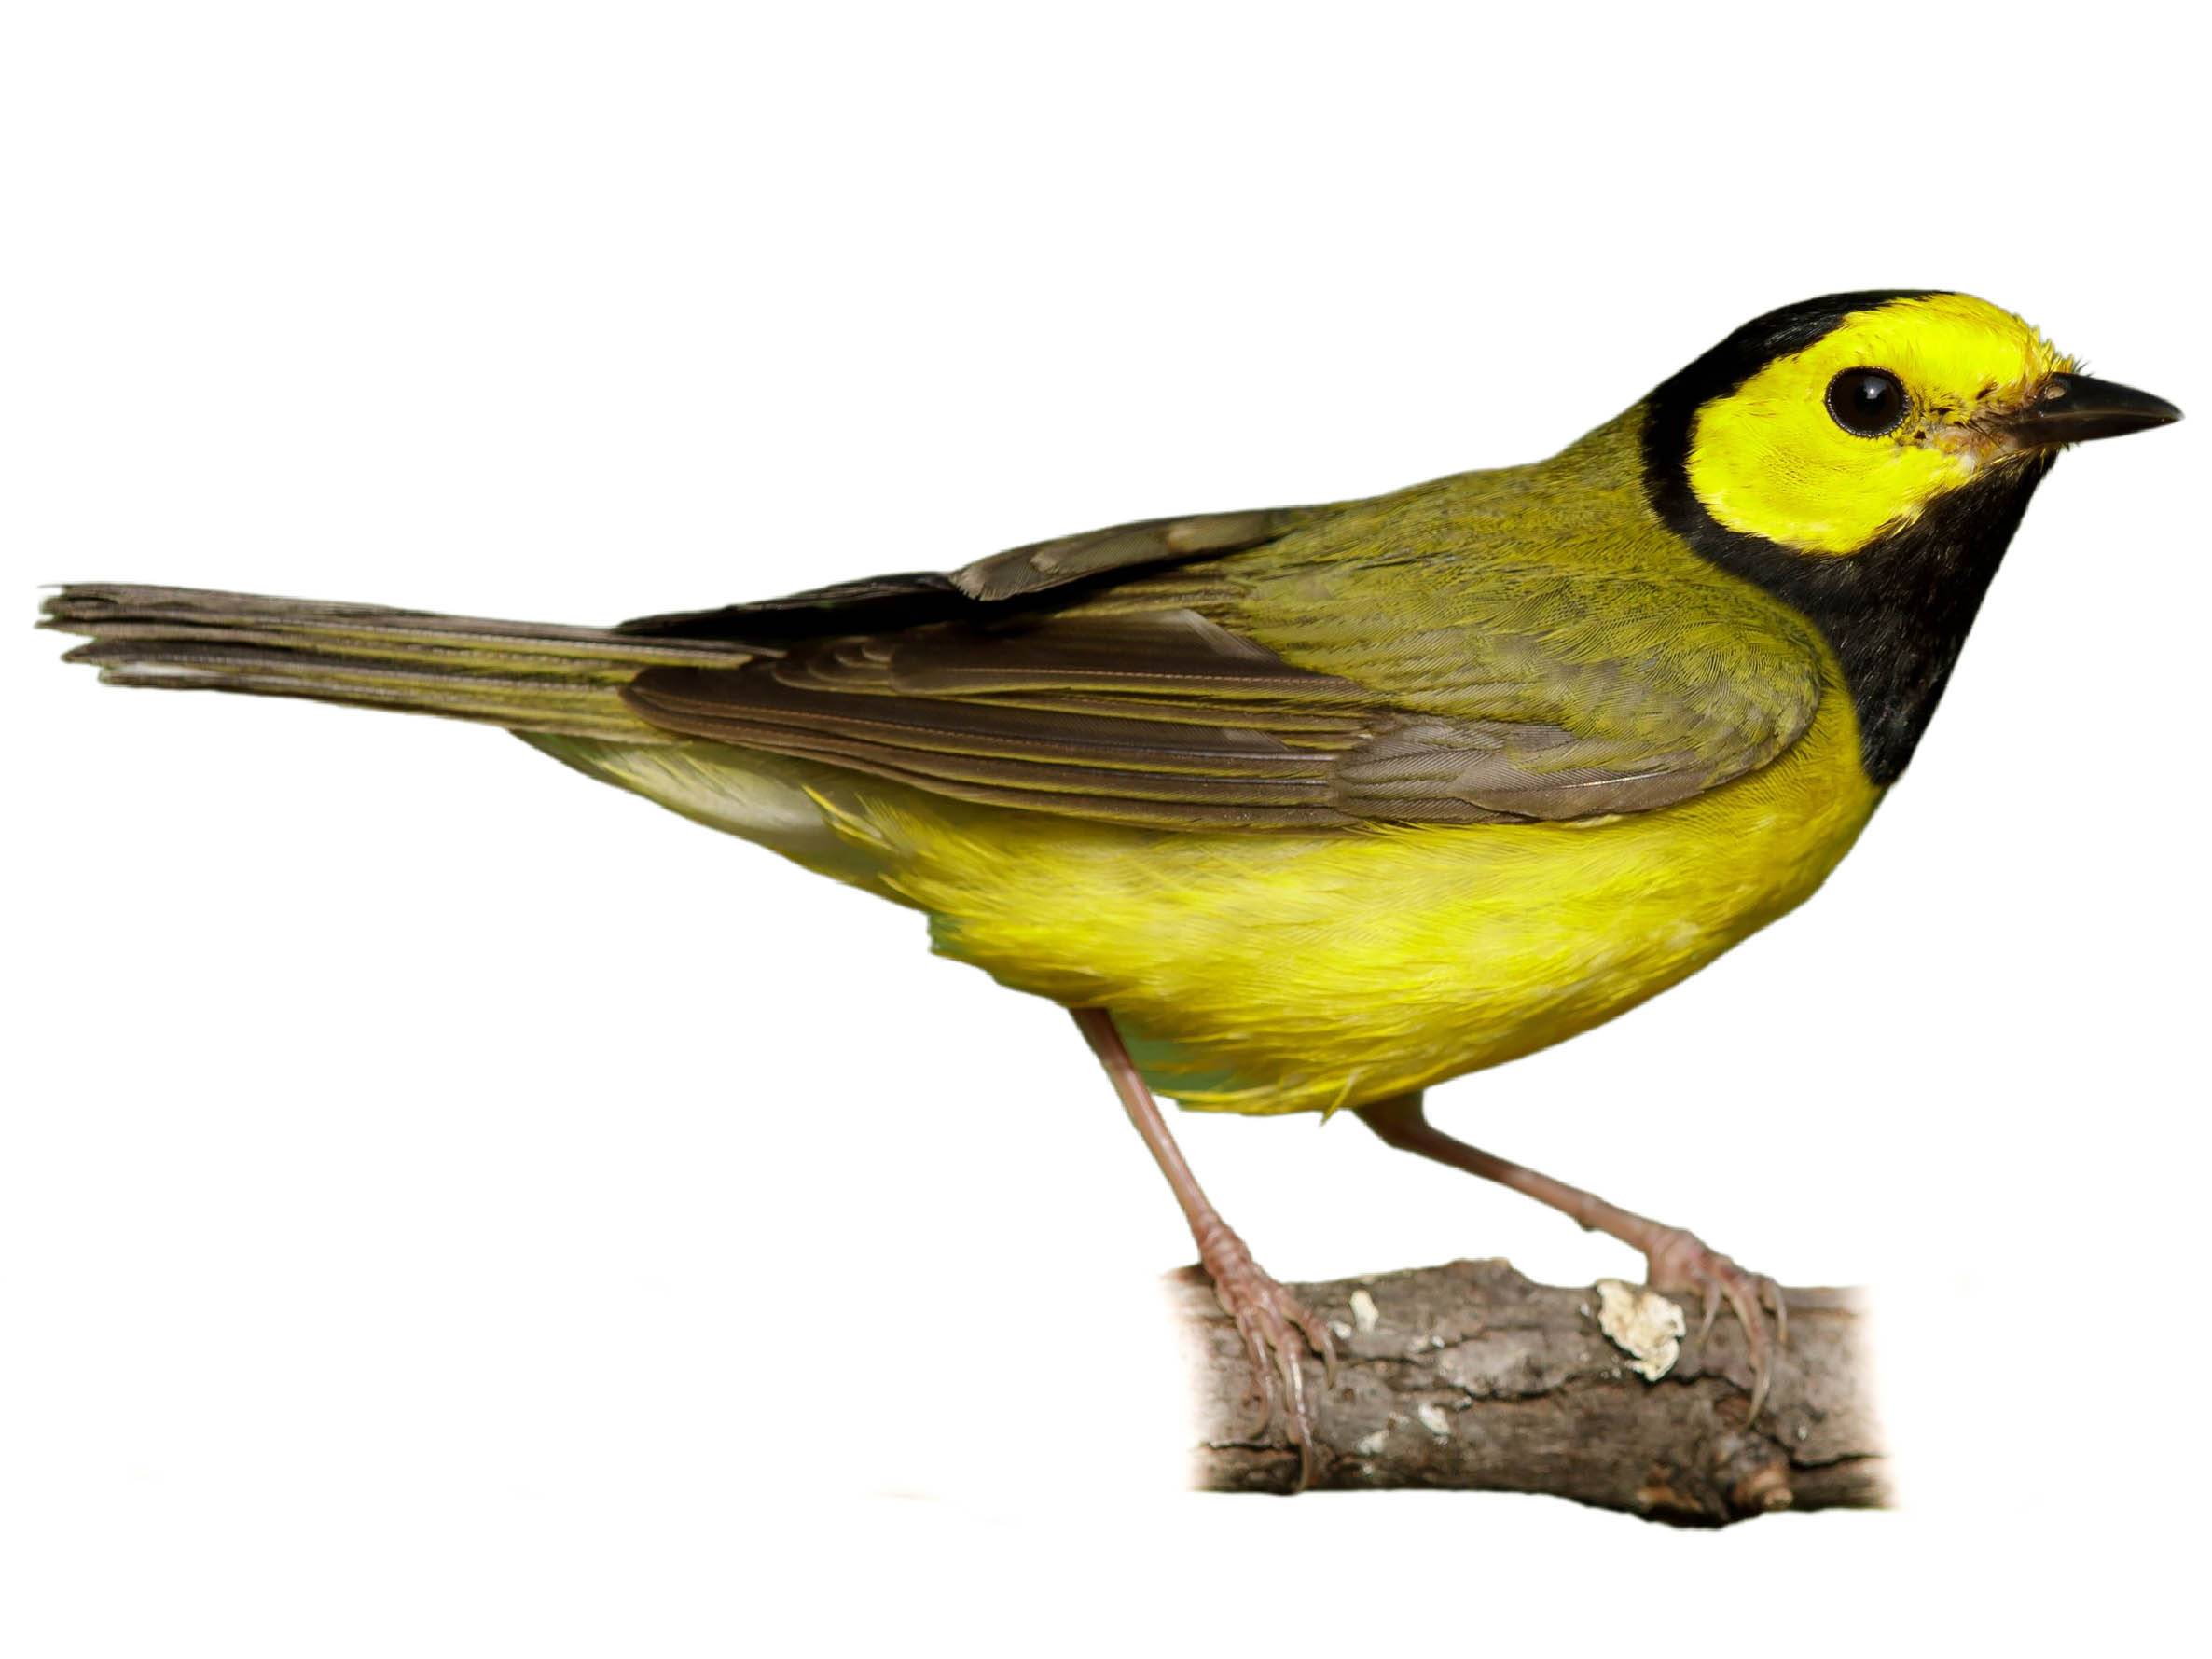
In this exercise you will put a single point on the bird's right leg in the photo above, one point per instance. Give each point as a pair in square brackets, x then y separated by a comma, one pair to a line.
[1676, 1259]
[1274, 1325]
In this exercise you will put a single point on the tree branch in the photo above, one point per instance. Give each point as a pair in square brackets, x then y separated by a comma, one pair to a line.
[1469, 1376]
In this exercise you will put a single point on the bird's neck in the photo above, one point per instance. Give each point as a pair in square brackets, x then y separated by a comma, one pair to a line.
[1895, 614]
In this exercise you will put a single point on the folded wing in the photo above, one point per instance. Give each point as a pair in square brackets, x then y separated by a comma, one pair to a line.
[1033, 681]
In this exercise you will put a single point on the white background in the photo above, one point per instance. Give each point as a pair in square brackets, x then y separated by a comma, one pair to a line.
[447, 1208]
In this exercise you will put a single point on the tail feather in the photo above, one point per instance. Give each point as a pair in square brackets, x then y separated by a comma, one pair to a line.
[535, 677]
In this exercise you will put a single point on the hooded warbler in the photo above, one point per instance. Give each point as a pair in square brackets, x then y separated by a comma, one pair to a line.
[1311, 808]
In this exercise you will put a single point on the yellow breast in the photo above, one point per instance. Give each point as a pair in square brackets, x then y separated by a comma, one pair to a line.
[1263, 973]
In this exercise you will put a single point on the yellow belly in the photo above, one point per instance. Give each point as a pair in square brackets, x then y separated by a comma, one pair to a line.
[1267, 973]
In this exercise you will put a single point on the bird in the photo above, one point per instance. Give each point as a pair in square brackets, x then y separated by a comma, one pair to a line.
[1312, 809]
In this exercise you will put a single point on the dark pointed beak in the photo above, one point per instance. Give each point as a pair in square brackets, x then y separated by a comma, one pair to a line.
[2074, 408]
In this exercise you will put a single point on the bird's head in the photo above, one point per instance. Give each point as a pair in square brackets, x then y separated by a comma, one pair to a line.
[1865, 458]
[1826, 427]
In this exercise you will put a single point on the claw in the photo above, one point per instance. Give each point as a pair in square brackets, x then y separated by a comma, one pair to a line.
[1263, 1373]
[1315, 1331]
[1298, 1414]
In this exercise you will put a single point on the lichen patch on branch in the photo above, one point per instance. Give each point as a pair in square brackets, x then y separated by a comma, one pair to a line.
[1642, 1323]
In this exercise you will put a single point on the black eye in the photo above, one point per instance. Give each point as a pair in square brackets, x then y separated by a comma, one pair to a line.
[1867, 402]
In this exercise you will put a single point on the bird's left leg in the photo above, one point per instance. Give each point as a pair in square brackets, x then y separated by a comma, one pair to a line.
[1273, 1324]
[1676, 1259]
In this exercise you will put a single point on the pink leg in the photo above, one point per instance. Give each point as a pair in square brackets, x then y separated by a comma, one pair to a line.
[1274, 1325]
[1676, 1259]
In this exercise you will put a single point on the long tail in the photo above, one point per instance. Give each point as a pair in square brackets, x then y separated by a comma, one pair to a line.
[527, 676]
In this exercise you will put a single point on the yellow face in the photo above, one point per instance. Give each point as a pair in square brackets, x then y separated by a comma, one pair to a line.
[1829, 449]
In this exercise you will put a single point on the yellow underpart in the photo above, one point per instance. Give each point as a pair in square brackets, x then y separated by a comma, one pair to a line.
[1278, 974]
[1270, 974]
[1768, 460]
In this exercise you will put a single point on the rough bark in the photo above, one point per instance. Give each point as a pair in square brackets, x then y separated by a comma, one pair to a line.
[1469, 1376]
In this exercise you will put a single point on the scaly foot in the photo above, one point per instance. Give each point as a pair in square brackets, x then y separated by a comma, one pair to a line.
[1275, 1326]
[1680, 1260]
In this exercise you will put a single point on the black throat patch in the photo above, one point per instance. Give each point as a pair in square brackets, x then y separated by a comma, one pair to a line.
[1897, 613]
